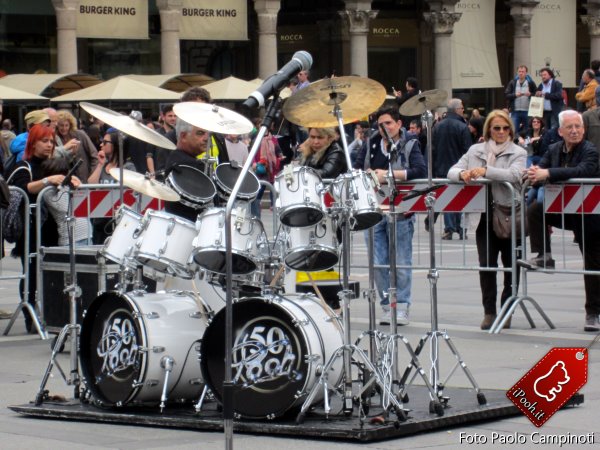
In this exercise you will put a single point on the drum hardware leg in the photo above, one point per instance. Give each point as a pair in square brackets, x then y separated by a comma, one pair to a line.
[60, 341]
[167, 364]
[198, 406]
[138, 285]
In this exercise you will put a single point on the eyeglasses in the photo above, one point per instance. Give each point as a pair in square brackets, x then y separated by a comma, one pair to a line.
[498, 128]
[105, 142]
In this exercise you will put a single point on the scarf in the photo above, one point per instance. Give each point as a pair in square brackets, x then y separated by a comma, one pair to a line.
[267, 152]
[493, 150]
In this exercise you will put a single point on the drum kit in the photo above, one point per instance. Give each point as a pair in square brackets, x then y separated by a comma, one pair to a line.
[281, 352]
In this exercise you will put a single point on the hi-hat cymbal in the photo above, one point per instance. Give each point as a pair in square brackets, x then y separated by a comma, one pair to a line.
[140, 183]
[313, 105]
[213, 118]
[425, 101]
[128, 125]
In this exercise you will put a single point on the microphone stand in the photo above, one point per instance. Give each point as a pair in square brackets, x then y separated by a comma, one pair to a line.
[72, 328]
[228, 386]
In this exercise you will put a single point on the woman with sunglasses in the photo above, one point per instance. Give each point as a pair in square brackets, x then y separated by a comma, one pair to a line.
[108, 158]
[498, 159]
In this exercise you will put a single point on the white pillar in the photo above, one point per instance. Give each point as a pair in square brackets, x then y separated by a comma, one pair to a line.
[266, 11]
[66, 35]
[522, 13]
[592, 20]
[442, 24]
[358, 15]
[170, 53]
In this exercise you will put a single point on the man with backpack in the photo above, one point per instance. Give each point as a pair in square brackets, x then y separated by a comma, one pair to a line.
[409, 164]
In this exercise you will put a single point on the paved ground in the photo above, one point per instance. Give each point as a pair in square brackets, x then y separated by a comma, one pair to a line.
[497, 361]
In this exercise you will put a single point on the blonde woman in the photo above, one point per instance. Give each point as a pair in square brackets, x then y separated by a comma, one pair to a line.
[499, 159]
[321, 153]
[75, 144]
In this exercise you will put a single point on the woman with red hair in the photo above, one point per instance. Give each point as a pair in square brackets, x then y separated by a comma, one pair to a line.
[28, 175]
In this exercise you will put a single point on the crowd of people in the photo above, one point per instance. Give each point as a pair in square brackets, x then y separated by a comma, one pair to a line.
[506, 146]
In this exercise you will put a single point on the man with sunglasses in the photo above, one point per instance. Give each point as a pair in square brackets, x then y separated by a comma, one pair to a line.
[573, 158]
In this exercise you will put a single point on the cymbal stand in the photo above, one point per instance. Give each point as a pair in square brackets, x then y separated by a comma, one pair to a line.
[390, 355]
[348, 349]
[72, 328]
[438, 401]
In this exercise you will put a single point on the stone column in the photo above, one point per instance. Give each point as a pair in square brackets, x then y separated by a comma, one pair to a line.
[522, 13]
[266, 11]
[358, 15]
[170, 53]
[66, 35]
[592, 20]
[442, 24]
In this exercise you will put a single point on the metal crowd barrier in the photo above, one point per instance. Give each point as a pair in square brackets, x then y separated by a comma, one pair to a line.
[577, 196]
[24, 275]
[456, 197]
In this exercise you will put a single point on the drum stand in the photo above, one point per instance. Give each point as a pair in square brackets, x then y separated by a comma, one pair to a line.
[348, 350]
[72, 328]
[438, 401]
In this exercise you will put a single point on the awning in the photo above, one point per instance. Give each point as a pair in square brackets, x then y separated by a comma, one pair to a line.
[174, 82]
[119, 89]
[49, 84]
[230, 88]
[17, 95]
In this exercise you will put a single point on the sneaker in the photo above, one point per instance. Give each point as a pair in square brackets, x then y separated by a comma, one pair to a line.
[402, 316]
[5, 314]
[447, 236]
[386, 317]
[591, 322]
[539, 262]
[462, 235]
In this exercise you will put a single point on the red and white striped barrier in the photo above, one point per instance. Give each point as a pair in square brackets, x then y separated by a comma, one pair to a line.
[448, 198]
[105, 202]
[571, 199]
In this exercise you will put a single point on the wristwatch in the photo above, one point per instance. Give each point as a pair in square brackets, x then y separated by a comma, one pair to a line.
[46, 182]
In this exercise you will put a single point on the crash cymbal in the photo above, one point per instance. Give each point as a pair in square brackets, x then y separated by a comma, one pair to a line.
[425, 101]
[313, 105]
[128, 125]
[213, 118]
[140, 183]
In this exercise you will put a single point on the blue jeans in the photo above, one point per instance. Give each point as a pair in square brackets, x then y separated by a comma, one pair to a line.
[519, 119]
[452, 222]
[405, 229]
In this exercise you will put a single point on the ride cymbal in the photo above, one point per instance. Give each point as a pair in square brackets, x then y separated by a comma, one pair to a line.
[143, 185]
[425, 101]
[313, 106]
[213, 118]
[128, 125]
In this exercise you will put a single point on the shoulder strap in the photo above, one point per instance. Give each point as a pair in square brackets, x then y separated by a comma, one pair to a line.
[406, 151]
[27, 168]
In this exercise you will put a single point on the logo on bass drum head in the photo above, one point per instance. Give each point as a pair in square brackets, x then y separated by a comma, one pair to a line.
[266, 355]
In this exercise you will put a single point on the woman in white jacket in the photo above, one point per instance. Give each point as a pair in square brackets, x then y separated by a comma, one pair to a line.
[498, 158]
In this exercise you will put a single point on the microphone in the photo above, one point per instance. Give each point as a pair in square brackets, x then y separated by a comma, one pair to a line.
[71, 172]
[300, 61]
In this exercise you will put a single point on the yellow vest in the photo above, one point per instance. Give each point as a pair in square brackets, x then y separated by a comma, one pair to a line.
[214, 151]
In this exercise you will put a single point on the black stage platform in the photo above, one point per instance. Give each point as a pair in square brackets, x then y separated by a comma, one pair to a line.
[462, 409]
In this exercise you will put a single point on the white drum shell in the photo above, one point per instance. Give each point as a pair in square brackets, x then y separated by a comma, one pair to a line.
[120, 246]
[365, 208]
[165, 243]
[312, 248]
[248, 238]
[300, 202]
[172, 325]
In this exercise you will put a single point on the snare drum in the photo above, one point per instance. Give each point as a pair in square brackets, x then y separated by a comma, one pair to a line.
[280, 347]
[313, 248]
[119, 247]
[247, 235]
[300, 203]
[193, 186]
[165, 243]
[365, 208]
[225, 177]
[125, 339]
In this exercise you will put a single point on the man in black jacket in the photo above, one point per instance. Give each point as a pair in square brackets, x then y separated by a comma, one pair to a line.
[451, 139]
[551, 90]
[572, 158]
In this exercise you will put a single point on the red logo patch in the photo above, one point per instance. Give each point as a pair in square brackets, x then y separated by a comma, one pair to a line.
[550, 383]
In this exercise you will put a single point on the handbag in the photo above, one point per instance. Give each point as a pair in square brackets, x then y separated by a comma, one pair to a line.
[12, 216]
[502, 223]
[261, 169]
